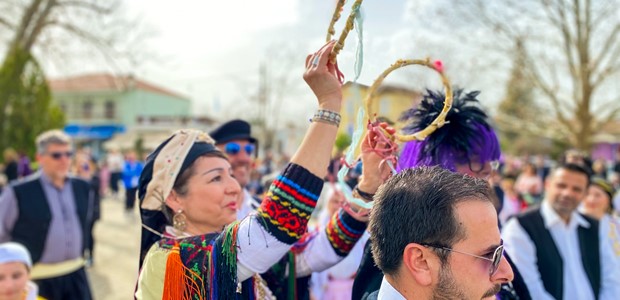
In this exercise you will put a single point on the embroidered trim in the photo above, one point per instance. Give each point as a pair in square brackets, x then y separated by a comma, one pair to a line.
[289, 203]
[343, 231]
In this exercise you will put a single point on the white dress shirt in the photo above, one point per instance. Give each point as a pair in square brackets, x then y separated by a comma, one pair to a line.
[388, 292]
[576, 285]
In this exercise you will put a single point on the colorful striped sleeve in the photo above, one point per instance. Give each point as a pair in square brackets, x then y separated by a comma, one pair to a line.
[343, 231]
[287, 207]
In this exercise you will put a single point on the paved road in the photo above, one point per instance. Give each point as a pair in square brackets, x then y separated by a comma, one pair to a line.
[117, 239]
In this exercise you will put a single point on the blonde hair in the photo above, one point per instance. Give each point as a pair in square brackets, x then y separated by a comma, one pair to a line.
[10, 155]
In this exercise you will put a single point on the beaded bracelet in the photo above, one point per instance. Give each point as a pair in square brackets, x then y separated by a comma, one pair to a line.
[326, 116]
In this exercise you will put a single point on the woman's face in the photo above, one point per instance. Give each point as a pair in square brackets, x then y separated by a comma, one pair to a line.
[13, 280]
[211, 199]
[596, 202]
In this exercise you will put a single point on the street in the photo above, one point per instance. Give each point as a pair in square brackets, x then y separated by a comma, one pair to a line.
[117, 240]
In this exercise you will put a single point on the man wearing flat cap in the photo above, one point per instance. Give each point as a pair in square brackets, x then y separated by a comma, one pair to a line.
[235, 139]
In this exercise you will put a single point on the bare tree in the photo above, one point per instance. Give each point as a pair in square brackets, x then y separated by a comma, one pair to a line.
[572, 50]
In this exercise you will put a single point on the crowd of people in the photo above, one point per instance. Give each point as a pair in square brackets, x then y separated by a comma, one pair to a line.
[455, 220]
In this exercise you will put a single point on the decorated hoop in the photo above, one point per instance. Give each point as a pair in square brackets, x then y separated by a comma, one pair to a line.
[348, 27]
[447, 104]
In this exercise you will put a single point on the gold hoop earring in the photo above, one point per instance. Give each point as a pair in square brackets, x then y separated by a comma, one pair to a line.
[179, 221]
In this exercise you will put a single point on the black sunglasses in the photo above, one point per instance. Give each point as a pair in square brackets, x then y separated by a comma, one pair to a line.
[495, 260]
[59, 155]
[234, 148]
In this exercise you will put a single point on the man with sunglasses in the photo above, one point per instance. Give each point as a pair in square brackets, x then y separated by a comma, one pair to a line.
[560, 253]
[235, 139]
[434, 235]
[48, 213]
[466, 145]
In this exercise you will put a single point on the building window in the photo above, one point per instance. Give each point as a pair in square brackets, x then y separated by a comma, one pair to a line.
[110, 109]
[87, 109]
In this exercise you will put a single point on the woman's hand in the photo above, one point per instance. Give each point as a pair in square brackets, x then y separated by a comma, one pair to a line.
[374, 150]
[321, 77]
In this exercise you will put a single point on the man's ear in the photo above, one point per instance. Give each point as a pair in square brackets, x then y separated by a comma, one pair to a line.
[418, 263]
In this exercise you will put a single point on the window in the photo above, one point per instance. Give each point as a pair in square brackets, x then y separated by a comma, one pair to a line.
[87, 109]
[110, 109]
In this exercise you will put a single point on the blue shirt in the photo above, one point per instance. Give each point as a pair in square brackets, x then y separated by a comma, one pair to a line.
[131, 174]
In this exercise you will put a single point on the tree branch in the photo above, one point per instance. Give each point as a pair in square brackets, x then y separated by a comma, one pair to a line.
[608, 44]
[611, 116]
[536, 79]
[91, 6]
[6, 23]
[25, 23]
[39, 25]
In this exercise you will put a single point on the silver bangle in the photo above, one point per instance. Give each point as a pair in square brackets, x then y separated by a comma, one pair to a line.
[326, 116]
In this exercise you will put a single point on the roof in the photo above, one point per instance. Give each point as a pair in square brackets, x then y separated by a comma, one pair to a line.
[107, 82]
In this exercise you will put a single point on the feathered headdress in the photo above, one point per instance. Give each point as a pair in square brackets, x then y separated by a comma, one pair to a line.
[466, 137]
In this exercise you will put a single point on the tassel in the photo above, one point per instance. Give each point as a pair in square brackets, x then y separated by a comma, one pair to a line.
[177, 284]
[174, 281]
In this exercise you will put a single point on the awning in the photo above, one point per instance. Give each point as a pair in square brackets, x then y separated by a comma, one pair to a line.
[93, 132]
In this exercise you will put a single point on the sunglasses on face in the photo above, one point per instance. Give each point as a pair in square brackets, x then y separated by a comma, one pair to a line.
[234, 148]
[59, 155]
[495, 260]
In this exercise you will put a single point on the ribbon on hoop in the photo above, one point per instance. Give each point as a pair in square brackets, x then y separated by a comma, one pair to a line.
[355, 20]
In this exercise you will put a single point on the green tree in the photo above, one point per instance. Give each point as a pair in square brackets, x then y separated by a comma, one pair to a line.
[343, 141]
[29, 109]
[49, 25]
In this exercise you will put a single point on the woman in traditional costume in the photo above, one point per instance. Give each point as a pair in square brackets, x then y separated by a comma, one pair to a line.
[598, 204]
[192, 247]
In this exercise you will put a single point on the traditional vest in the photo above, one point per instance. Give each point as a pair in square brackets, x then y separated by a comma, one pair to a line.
[550, 264]
[34, 218]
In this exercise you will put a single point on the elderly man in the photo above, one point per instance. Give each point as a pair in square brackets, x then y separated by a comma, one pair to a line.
[450, 245]
[49, 213]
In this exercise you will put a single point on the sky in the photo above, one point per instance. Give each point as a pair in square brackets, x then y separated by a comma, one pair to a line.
[211, 51]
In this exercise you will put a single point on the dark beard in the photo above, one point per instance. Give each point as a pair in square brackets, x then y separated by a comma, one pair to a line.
[447, 288]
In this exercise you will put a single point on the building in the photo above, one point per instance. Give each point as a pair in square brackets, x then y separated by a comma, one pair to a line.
[606, 142]
[99, 107]
[391, 103]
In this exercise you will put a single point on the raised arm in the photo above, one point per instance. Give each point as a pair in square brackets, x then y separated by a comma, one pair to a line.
[283, 216]
[315, 150]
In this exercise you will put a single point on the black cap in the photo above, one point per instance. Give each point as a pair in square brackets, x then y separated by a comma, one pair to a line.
[233, 130]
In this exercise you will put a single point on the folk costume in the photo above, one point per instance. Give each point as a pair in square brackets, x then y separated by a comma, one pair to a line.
[224, 265]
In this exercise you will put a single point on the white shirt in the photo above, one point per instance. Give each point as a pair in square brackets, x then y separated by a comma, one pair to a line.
[576, 285]
[388, 292]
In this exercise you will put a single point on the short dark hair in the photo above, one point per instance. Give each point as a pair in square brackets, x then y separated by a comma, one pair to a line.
[576, 168]
[418, 206]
